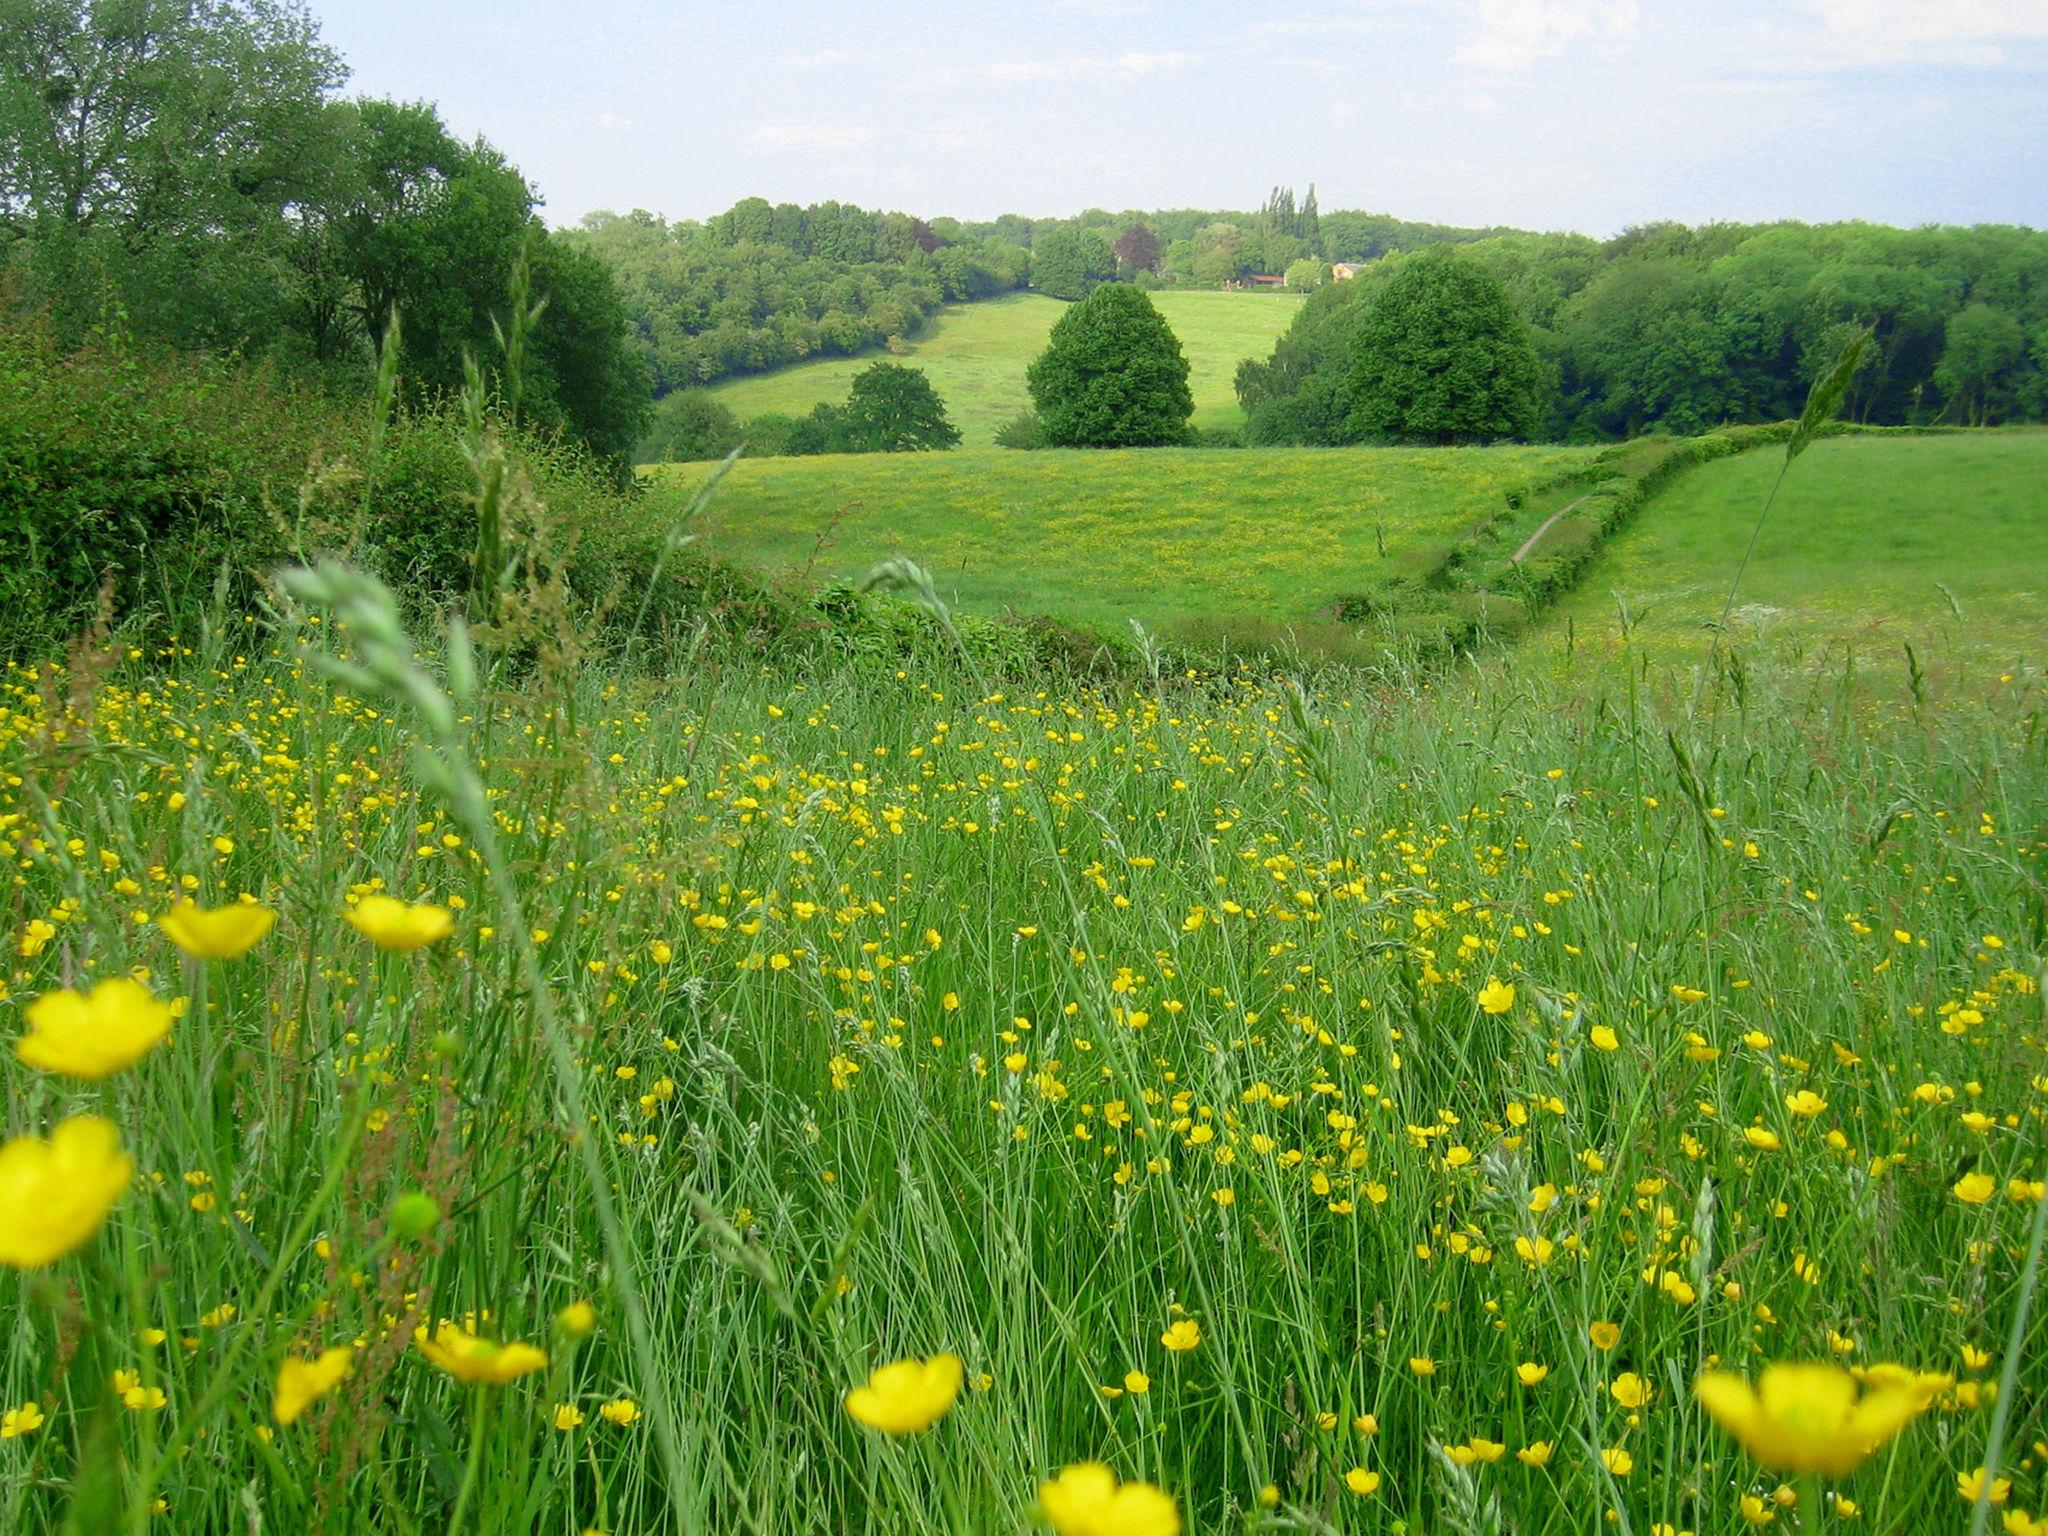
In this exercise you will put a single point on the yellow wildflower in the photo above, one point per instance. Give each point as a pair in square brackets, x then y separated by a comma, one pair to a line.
[96, 1034]
[908, 1395]
[54, 1194]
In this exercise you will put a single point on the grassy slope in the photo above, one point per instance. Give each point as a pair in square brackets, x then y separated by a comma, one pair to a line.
[1159, 535]
[1862, 532]
[976, 355]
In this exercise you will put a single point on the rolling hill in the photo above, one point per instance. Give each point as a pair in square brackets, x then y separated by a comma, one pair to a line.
[1874, 542]
[1161, 535]
[976, 355]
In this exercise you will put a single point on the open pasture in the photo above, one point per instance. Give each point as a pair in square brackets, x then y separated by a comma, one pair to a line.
[1875, 543]
[976, 356]
[1162, 535]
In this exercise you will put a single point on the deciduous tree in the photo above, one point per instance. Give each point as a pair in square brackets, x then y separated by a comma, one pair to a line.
[1112, 376]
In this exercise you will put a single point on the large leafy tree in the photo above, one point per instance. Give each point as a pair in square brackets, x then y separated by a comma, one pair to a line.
[894, 409]
[1067, 261]
[1137, 249]
[1443, 357]
[1112, 376]
[156, 153]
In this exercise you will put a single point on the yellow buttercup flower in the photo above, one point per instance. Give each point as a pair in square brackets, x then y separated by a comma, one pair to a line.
[577, 1319]
[1362, 1481]
[219, 933]
[95, 1034]
[1087, 1500]
[1496, 996]
[1974, 1188]
[398, 925]
[907, 1396]
[302, 1383]
[1809, 1417]
[25, 1420]
[621, 1411]
[54, 1194]
[470, 1359]
[1182, 1336]
[1630, 1390]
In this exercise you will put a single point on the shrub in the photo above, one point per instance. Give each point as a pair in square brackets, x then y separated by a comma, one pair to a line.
[689, 425]
[1023, 430]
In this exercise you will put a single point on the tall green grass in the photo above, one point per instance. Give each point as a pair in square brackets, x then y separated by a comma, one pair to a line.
[823, 1018]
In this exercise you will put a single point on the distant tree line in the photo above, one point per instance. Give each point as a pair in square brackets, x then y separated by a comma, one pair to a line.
[189, 176]
[1679, 329]
[766, 284]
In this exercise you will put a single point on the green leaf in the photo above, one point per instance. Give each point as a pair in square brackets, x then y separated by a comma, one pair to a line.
[1825, 398]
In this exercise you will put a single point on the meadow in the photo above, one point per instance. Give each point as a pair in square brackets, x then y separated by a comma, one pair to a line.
[976, 356]
[1164, 537]
[1364, 1105]
[1939, 542]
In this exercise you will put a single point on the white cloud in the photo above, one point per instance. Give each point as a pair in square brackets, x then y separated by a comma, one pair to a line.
[825, 138]
[1952, 31]
[1515, 33]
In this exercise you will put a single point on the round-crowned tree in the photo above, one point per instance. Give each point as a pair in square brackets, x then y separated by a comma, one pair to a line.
[1443, 357]
[894, 409]
[1112, 376]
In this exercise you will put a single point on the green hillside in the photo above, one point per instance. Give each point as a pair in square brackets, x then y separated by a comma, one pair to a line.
[1874, 541]
[1157, 535]
[976, 354]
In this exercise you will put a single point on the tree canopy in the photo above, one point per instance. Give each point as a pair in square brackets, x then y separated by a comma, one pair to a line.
[1112, 376]
[189, 174]
[1068, 261]
[894, 409]
[1442, 357]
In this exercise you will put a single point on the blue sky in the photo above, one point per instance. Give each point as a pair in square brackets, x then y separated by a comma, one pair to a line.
[1553, 114]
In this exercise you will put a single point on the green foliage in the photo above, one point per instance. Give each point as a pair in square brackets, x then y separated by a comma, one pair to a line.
[894, 409]
[185, 174]
[690, 424]
[164, 477]
[1023, 430]
[761, 286]
[1665, 328]
[152, 154]
[1442, 357]
[1307, 274]
[1067, 262]
[1112, 376]
[1980, 362]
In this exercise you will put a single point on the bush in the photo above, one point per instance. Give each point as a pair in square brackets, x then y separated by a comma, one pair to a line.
[1023, 430]
[155, 475]
[689, 425]
[1112, 376]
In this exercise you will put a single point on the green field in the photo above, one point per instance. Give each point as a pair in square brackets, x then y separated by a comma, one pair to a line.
[1870, 540]
[1157, 535]
[976, 354]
